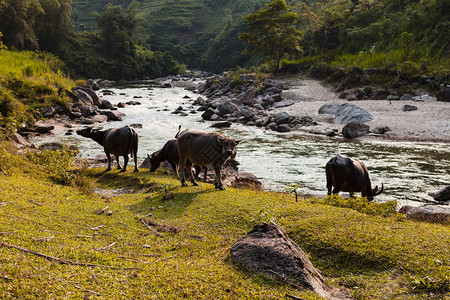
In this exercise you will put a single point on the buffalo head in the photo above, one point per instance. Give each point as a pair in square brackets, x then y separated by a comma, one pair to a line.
[154, 163]
[228, 146]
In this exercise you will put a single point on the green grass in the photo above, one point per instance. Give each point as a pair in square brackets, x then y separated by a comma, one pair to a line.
[373, 256]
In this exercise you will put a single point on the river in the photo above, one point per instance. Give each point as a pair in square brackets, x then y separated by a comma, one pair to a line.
[408, 170]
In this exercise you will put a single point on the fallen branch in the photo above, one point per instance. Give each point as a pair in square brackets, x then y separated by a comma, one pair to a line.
[146, 225]
[46, 239]
[106, 247]
[60, 260]
[5, 277]
[89, 291]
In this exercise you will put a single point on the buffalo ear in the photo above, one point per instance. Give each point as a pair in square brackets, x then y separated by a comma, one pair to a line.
[237, 142]
[221, 139]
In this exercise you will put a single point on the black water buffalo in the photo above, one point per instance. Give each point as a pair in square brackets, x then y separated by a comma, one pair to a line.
[202, 149]
[349, 175]
[169, 152]
[118, 141]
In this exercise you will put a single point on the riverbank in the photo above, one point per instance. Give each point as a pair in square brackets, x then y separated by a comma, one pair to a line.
[429, 123]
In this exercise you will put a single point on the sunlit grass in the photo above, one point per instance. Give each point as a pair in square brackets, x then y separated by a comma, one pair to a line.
[375, 256]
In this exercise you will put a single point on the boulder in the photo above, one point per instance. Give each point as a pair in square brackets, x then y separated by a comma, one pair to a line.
[409, 107]
[200, 101]
[381, 130]
[88, 110]
[442, 195]
[17, 138]
[226, 107]
[247, 112]
[83, 96]
[99, 119]
[267, 120]
[406, 97]
[284, 103]
[330, 108]
[44, 128]
[444, 94]
[283, 128]
[267, 249]
[207, 114]
[94, 96]
[106, 105]
[380, 94]
[429, 213]
[282, 118]
[48, 112]
[223, 124]
[355, 129]
[249, 97]
[351, 113]
[114, 115]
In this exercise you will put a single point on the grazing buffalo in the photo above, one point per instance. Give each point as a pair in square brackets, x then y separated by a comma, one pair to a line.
[202, 149]
[349, 175]
[170, 153]
[118, 141]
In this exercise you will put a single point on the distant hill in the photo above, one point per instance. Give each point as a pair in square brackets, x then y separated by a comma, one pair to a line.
[203, 33]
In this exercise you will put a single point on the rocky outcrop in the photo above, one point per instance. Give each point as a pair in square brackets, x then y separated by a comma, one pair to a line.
[268, 250]
[444, 94]
[442, 195]
[429, 213]
[351, 113]
[355, 129]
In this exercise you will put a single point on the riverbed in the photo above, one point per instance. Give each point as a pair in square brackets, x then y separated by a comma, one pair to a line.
[408, 170]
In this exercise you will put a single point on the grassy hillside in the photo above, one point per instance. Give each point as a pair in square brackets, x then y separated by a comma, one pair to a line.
[101, 246]
[30, 81]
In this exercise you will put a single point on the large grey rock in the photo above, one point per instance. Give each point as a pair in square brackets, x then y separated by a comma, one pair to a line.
[114, 115]
[207, 114]
[43, 128]
[283, 128]
[268, 250]
[249, 97]
[330, 108]
[355, 129]
[48, 112]
[442, 195]
[247, 112]
[17, 138]
[226, 107]
[106, 105]
[83, 96]
[351, 113]
[429, 213]
[282, 118]
[380, 94]
[94, 96]
[444, 94]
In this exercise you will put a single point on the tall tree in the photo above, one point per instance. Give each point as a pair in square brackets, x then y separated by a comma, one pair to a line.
[273, 32]
[17, 18]
[54, 28]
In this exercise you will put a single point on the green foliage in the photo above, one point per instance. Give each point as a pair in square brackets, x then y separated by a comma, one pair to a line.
[185, 253]
[273, 32]
[29, 81]
[361, 204]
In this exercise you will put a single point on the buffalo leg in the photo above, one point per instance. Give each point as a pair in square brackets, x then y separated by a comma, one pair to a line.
[109, 161]
[205, 173]
[135, 163]
[174, 168]
[119, 167]
[191, 174]
[218, 181]
[336, 189]
[183, 171]
[125, 162]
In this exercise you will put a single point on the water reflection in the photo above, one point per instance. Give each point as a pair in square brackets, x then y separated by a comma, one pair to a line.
[408, 170]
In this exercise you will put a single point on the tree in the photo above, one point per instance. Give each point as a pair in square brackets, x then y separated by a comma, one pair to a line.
[273, 32]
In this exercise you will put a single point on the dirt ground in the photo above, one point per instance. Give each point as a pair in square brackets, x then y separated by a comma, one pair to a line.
[429, 123]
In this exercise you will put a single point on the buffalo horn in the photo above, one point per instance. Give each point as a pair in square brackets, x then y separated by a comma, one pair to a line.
[376, 193]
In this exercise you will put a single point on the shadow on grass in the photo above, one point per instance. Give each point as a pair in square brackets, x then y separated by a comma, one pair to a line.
[338, 261]
[171, 201]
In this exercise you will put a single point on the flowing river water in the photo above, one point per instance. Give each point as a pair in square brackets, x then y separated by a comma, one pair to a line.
[408, 170]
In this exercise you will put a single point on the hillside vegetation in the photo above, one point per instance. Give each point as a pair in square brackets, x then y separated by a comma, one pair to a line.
[388, 33]
[75, 232]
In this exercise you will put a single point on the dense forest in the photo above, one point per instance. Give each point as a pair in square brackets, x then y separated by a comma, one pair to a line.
[134, 39]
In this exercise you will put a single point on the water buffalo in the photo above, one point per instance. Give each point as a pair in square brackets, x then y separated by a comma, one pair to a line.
[169, 152]
[204, 148]
[118, 141]
[349, 175]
